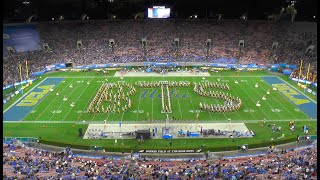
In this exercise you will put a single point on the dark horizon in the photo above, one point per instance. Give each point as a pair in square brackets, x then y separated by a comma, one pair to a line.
[44, 10]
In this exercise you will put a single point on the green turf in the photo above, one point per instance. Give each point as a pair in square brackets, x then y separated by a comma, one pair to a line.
[68, 133]
[53, 109]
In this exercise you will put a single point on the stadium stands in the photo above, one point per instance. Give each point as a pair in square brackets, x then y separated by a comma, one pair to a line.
[22, 161]
[258, 38]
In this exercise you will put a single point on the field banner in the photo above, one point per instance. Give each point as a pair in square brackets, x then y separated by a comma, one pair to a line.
[160, 64]
[39, 73]
[287, 66]
[300, 80]
[21, 38]
[60, 66]
[18, 83]
[287, 71]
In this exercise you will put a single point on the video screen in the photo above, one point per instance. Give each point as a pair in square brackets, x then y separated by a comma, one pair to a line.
[158, 12]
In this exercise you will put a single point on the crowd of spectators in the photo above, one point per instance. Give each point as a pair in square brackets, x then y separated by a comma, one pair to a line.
[63, 39]
[290, 164]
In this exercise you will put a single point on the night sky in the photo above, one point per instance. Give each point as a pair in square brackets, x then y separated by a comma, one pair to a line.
[45, 10]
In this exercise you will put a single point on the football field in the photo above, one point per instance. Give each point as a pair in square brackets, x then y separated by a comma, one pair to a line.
[40, 112]
[45, 102]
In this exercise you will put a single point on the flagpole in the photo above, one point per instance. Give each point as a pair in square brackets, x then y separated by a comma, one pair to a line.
[300, 71]
[27, 70]
[21, 77]
[308, 73]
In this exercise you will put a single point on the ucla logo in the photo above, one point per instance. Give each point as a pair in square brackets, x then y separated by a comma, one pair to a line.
[33, 98]
[6, 36]
[291, 94]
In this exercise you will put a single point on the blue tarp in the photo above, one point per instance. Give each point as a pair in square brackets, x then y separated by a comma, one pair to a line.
[167, 136]
[287, 72]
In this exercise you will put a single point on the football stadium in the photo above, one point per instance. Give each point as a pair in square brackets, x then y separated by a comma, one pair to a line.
[164, 93]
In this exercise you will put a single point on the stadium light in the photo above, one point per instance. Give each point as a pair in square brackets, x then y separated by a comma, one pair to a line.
[195, 16]
[26, 2]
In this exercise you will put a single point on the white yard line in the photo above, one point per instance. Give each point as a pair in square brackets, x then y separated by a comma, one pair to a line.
[84, 110]
[151, 102]
[202, 100]
[123, 111]
[253, 101]
[194, 110]
[94, 114]
[51, 102]
[138, 106]
[279, 114]
[23, 96]
[298, 90]
[76, 101]
[229, 91]
[64, 101]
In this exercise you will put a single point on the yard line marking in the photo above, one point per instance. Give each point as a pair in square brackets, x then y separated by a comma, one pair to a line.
[253, 101]
[94, 93]
[178, 104]
[151, 102]
[84, 110]
[298, 90]
[281, 103]
[23, 96]
[238, 114]
[191, 99]
[138, 105]
[77, 100]
[203, 100]
[50, 102]
[124, 111]
[64, 101]
[279, 114]
[243, 103]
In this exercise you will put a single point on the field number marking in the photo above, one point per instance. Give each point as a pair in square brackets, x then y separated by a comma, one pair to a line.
[140, 111]
[249, 110]
[56, 111]
[276, 110]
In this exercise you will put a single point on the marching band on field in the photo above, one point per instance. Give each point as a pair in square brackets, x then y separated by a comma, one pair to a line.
[147, 84]
[105, 94]
[114, 98]
[231, 103]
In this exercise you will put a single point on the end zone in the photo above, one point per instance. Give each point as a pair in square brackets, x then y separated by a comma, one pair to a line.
[23, 106]
[301, 101]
